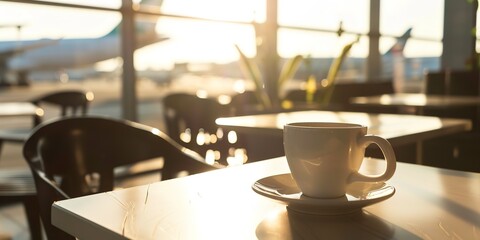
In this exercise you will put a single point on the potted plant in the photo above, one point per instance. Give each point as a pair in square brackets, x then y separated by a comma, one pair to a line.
[252, 71]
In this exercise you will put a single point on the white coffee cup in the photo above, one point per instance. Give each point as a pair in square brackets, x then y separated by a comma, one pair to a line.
[325, 157]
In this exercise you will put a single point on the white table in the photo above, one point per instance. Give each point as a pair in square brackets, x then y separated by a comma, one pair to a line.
[19, 109]
[429, 203]
[399, 129]
[419, 102]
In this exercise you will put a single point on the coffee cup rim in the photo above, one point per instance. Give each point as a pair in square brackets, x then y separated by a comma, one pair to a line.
[323, 125]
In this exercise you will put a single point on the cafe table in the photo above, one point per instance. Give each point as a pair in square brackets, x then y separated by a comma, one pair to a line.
[418, 202]
[418, 101]
[398, 129]
[19, 109]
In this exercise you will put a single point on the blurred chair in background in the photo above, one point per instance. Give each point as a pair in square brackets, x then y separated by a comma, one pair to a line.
[452, 82]
[459, 151]
[245, 103]
[190, 120]
[78, 155]
[342, 93]
[69, 102]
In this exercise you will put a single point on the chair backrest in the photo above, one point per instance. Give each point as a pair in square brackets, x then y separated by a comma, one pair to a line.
[435, 83]
[187, 114]
[71, 102]
[245, 103]
[79, 154]
[47, 193]
[452, 82]
[83, 150]
[343, 92]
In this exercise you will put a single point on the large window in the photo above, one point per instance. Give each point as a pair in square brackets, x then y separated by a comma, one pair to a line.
[199, 37]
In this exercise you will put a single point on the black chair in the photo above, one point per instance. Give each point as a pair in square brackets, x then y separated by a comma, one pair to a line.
[18, 186]
[458, 151]
[79, 154]
[70, 102]
[190, 120]
[452, 82]
[342, 93]
[245, 103]
[435, 83]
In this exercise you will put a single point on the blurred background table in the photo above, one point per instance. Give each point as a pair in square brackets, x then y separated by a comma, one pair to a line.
[458, 151]
[263, 133]
[417, 101]
[19, 109]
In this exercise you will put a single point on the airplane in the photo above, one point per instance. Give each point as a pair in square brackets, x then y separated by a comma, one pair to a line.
[23, 57]
[393, 63]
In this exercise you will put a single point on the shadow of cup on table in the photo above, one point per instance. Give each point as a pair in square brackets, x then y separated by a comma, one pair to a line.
[291, 225]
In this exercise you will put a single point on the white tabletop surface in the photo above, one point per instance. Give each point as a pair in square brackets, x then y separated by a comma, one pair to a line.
[19, 109]
[397, 128]
[429, 203]
[12, 109]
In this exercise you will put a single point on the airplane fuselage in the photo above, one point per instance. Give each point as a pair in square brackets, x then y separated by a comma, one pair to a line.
[68, 53]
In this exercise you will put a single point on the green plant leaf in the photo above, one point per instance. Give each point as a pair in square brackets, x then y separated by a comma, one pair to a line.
[253, 72]
[333, 71]
[311, 88]
[289, 70]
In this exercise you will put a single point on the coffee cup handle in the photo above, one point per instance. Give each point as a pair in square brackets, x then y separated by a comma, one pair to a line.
[389, 155]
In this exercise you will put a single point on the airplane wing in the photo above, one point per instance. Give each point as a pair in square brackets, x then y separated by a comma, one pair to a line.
[21, 48]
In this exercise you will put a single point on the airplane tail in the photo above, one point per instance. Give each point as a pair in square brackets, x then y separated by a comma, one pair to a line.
[400, 44]
[142, 27]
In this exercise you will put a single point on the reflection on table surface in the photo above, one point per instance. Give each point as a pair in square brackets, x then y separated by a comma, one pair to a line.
[429, 203]
[417, 100]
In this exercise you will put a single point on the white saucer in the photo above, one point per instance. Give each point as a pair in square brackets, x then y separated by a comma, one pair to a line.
[283, 188]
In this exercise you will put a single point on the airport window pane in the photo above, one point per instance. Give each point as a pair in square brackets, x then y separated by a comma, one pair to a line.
[325, 15]
[50, 48]
[322, 48]
[95, 3]
[196, 47]
[238, 10]
[423, 49]
[425, 17]
[323, 43]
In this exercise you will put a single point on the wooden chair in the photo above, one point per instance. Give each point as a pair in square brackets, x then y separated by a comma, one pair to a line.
[79, 154]
[18, 185]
